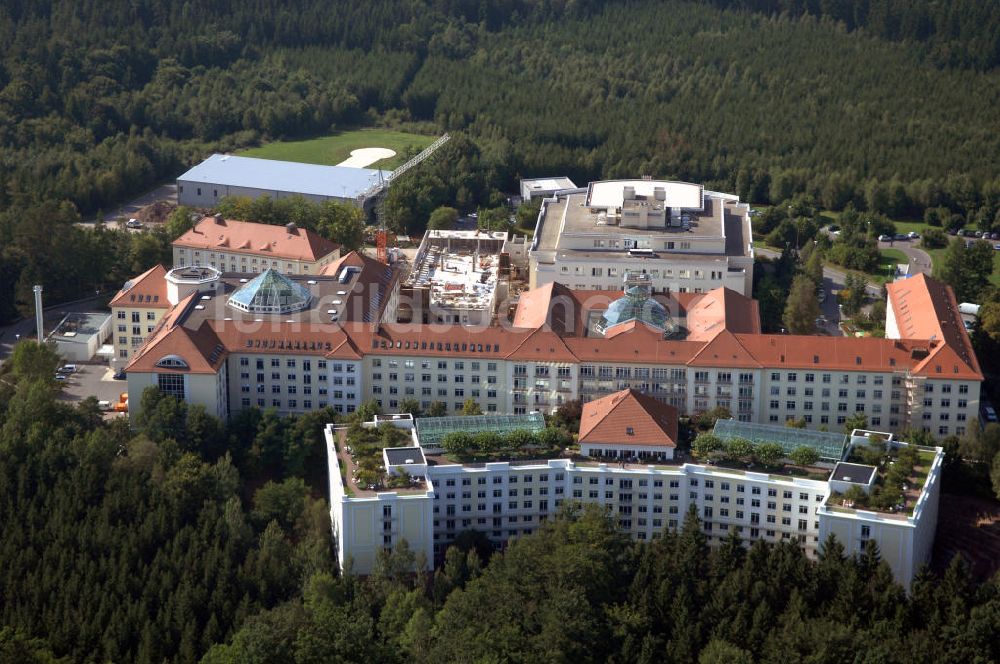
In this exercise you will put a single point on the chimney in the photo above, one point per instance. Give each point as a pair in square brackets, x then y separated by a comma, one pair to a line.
[38, 314]
[292, 228]
[219, 220]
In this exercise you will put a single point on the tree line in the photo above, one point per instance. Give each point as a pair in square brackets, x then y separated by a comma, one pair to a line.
[99, 101]
[187, 539]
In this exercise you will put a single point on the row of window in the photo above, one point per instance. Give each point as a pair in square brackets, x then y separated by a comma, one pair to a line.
[292, 363]
[442, 365]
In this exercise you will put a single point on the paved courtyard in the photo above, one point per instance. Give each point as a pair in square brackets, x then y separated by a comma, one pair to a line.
[92, 380]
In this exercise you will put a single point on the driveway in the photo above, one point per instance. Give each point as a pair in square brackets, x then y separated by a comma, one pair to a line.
[832, 277]
[166, 192]
[920, 260]
[92, 380]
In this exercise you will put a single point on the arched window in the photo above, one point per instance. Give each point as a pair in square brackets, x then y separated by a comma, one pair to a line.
[172, 362]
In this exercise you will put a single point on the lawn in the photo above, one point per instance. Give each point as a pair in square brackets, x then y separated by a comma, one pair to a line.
[331, 150]
[936, 255]
[888, 260]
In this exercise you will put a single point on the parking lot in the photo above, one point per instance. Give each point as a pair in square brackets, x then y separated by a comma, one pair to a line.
[92, 380]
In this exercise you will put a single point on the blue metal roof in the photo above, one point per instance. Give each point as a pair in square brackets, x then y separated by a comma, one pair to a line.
[284, 176]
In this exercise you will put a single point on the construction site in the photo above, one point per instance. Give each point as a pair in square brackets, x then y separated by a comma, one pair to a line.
[456, 277]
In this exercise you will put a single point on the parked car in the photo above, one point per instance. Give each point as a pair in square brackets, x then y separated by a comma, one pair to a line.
[902, 236]
[821, 294]
[821, 321]
[989, 413]
[978, 233]
[119, 375]
[885, 238]
[60, 376]
[133, 223]
[66, 369]
[913, 236]
[104, 405]
[997, 246]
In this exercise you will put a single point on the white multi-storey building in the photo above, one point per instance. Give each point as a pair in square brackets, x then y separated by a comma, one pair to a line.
[692, 351]
[685, 238]
[504, 500]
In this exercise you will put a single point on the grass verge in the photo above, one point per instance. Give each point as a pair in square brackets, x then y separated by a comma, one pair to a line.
[331, 150]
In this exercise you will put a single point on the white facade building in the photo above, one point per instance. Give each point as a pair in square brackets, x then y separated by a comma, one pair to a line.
[505, 500]
[687, 239]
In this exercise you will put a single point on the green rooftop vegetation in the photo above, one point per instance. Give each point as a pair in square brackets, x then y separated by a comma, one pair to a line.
[365, 445]
[488, 445]
[431, 431]
[900, 477]
[828, 446]
[768, 457]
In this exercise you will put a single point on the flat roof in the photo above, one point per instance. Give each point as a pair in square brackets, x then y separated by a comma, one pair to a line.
[854, 473]
[545, 184]
[79, 327]
[398, 456]
[570, 216]
[284, 176]
[830, 446]
[610, 193]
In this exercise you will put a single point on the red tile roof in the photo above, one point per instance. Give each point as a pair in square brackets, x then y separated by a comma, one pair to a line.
[148, 290]
[629, 418]
[721, 308]
[257, 239]
[200, 348]
[565, 310]
[925, 308]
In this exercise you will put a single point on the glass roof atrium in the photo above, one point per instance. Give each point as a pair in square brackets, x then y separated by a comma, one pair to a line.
[636, 304]
[271, 293]
[829, 445]
[432, 430]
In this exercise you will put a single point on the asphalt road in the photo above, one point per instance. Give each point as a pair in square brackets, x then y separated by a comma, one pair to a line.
[920, 260]
[832, 277]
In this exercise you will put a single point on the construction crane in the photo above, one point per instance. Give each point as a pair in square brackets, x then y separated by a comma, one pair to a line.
[379, 189]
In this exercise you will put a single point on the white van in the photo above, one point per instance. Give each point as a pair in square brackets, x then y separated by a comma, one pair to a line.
[968, 308]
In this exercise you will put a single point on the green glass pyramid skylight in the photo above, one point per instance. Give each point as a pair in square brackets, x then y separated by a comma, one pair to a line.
[636, 304]
[271, 293]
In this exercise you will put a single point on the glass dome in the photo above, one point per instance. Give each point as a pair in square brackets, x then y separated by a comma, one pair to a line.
[271, 293]
[636, 304]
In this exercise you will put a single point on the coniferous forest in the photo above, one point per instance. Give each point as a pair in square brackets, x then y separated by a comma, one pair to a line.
[188, 539]
[883, 104]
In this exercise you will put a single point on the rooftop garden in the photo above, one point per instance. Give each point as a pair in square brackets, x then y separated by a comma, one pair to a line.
[464, 447]
[900, 476]
[365, 445]
[766, 457]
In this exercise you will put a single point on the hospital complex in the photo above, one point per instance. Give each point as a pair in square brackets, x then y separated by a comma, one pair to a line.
[637, 287]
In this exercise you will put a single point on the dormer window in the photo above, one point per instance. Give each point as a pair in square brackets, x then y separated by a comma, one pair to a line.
[172, 362]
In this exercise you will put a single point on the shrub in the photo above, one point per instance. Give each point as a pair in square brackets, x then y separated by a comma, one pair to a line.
[769, 454]
[804, 455]
[739, 449]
